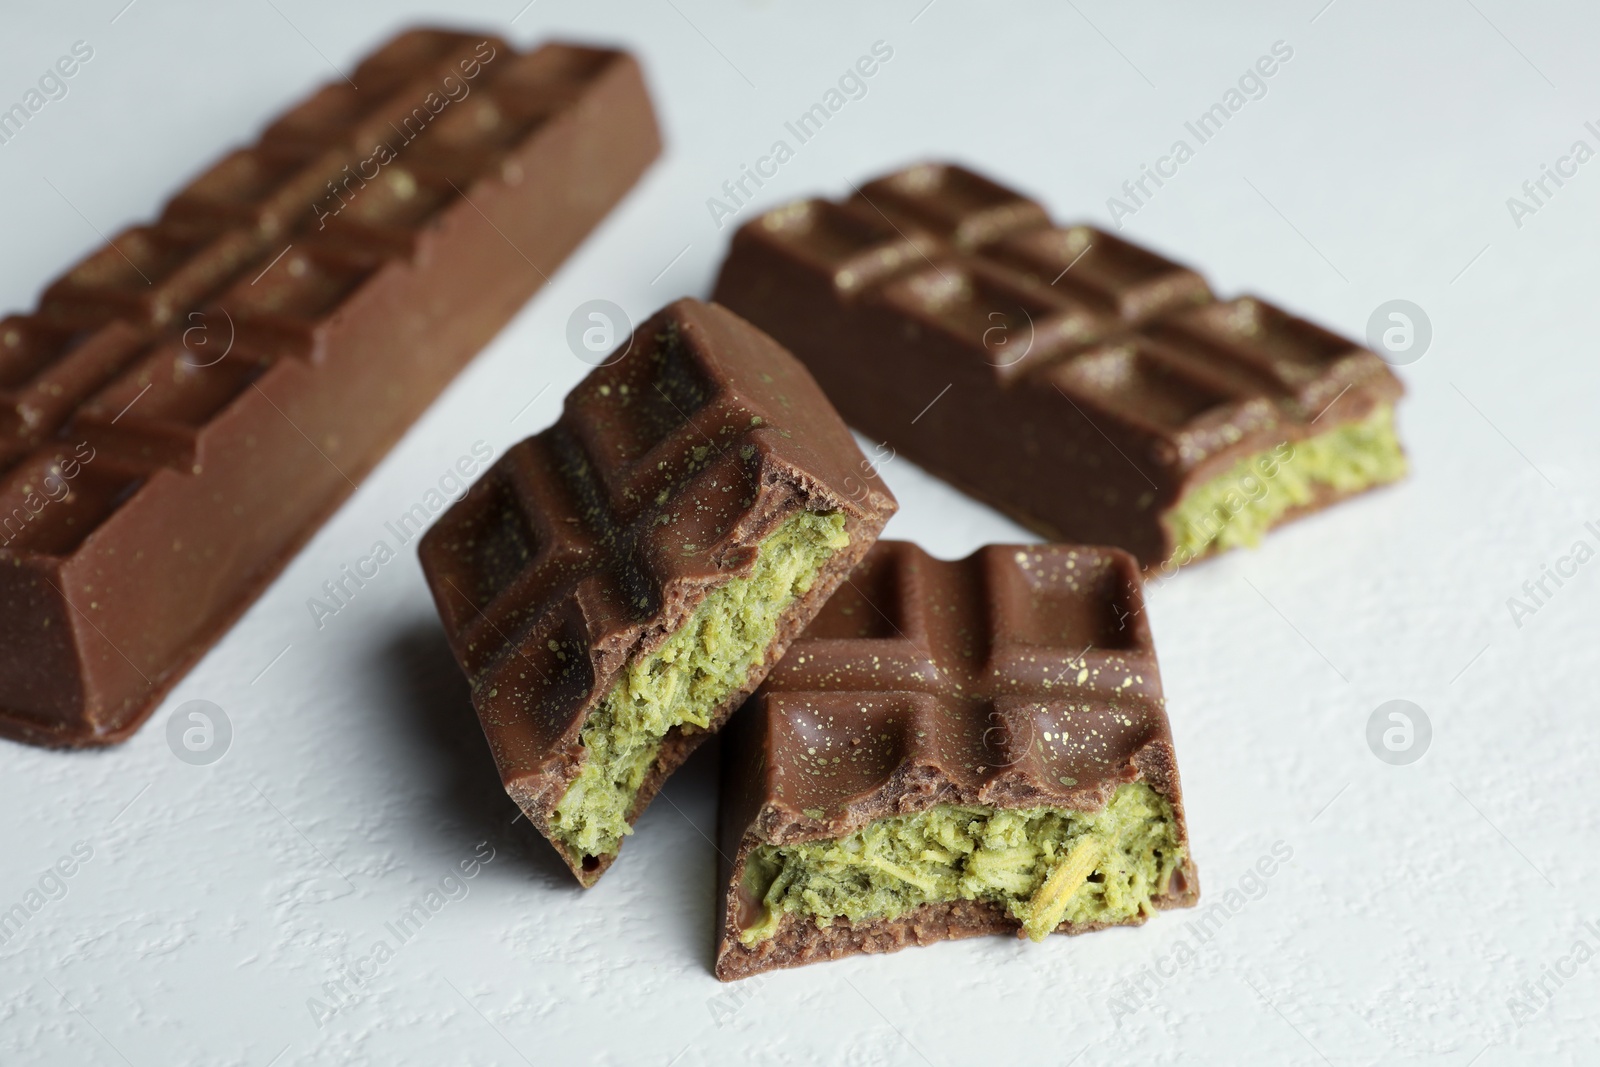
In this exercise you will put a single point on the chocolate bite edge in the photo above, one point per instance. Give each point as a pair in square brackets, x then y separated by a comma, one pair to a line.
[609, 509]
[938, 753]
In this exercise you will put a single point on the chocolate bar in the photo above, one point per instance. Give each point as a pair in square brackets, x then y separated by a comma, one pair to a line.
[952, 749]
[615, 586]
[190, 402]
[1090, 388]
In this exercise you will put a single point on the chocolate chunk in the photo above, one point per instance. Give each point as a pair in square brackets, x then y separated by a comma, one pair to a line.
[189, 403]
[1091, 389]
[616, 585]
[952, 749]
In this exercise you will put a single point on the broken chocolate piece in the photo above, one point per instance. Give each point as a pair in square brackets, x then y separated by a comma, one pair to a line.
[952, 749]
[1091, 389]
[616, 585]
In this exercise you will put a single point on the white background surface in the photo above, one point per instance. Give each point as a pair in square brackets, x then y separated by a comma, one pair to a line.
[219, 899]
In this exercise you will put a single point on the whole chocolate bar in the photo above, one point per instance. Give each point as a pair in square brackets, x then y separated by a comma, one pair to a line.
[191, 401]
[952, 749]
[616, 585]
[1091, 389]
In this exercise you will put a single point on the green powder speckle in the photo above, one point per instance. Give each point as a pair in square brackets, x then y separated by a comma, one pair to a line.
[951, 852]
[1237, 507]
[686, 680]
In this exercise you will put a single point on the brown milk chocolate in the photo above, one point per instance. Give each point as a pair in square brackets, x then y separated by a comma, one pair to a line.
[1020, 677]
[190, 402]
[1081, 384]
[591, 544]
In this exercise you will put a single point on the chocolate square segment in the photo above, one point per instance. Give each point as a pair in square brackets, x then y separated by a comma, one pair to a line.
[966, 209]
[951, 749]
[189, 402]
[615, 586]
[1091, 388]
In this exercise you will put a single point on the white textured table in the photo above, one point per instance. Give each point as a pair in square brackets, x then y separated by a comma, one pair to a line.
[218, 900]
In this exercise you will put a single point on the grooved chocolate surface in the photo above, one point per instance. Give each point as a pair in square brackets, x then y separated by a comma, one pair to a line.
[1022, 676]
[593, 542]
[1075, 380]
[188, 403]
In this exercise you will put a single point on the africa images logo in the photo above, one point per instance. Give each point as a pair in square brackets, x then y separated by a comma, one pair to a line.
[1251, 85]
[350, 985]
[52, 85]
[412, 124]
[341, 590]
[852, 85]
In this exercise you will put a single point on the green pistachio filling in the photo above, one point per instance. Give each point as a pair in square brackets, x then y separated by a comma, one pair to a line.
[1044, 865]
[685, 680]
[1237, 507]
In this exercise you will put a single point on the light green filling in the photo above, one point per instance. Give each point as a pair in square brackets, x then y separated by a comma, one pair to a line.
[687, 679]
[1044, 865]
[1236, 508]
